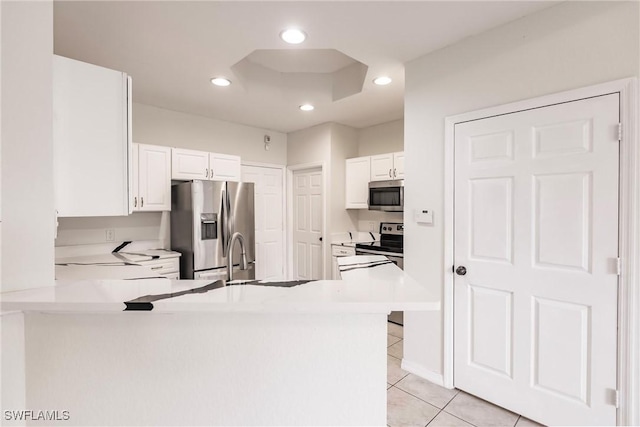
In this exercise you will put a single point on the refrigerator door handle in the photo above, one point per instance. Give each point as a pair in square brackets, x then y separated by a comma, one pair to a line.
[223, 222]
[226, 221]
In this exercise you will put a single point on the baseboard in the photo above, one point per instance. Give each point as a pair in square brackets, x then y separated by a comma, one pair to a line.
[420, 371]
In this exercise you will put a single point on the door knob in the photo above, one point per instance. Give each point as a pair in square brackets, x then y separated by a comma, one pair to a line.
[461, 271]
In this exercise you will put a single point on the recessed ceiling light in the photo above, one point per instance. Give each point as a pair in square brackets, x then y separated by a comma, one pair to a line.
[293, 36]
[383, 80]
[306, 107]
[220, 81]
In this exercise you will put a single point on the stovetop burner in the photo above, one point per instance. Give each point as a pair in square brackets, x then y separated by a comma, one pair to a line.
[382, 246]
[391, 239]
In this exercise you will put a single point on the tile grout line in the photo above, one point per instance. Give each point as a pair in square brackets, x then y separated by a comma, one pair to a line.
[456, 416]
[419, 398]
[422, 400]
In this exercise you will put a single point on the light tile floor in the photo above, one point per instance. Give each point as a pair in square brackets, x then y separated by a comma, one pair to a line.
[412, 401]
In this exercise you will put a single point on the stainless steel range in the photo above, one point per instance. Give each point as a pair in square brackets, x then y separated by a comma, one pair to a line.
[390, 245]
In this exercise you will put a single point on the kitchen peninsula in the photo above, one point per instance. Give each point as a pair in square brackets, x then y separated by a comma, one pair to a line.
[169, 352]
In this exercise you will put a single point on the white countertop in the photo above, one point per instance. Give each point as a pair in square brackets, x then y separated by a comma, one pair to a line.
[350, 239]
[372, 289]
[114, 265]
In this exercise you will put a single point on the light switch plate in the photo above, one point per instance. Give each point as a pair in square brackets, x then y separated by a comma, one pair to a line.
[424, 216]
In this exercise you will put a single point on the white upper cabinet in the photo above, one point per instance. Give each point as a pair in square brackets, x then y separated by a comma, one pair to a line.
[91, 139]
[189, 164]
[382, 167]
[193, 164]
[224, 167]
[357, 182]
[361, 170]
[387, 166]
[151, 178]
[398, 165]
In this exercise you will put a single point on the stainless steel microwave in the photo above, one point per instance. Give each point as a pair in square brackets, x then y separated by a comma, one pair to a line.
[386, 195]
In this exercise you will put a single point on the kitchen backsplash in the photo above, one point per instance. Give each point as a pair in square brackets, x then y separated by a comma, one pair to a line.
[147, 226]
[372, 219]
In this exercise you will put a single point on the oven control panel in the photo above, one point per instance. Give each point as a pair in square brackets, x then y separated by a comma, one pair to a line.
[395, 228]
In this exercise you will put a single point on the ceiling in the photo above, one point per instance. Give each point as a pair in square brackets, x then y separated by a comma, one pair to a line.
[172, 49]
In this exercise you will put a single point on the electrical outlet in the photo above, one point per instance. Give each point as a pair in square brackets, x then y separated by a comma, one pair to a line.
[110, 235]
[372, 226]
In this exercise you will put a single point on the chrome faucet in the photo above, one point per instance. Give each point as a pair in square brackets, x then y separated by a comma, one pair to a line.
[243, 255]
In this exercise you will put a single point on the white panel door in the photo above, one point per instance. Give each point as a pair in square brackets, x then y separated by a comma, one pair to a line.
[269, 199]
[536, 227]
[307, 224]
[189, 164]
[382, 167]
[154, 178]
[357, 175]
[224, 167]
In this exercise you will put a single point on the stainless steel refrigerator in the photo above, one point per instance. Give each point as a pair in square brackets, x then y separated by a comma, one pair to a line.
[205, 215]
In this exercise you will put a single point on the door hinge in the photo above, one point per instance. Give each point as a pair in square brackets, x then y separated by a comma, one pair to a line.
[613, 397]
[619, 266]
[619, 132]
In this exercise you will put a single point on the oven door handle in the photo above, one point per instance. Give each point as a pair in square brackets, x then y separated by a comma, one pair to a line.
[360, 251]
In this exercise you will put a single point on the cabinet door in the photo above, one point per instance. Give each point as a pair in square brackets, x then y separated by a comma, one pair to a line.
[134, 199]
[189, 164]
[357, 182]
[154, 178]
[398, 165]
[382, 167]
[91, 139]
[224, 167]
[335, 271]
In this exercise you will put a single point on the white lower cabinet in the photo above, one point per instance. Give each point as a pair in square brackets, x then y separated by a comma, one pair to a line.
[338, 251]
[194, 164]
[151, 178]
[166, 267]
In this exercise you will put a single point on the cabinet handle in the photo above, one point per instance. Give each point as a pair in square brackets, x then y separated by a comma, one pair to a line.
[389, 173]
[394, 173]
[135, 202]
[206, 173]
[141, 202]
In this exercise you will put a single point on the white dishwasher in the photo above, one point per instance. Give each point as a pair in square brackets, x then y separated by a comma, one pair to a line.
[336, 252]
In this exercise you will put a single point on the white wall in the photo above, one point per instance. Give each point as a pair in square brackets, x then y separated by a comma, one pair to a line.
[12, 363]
[153, 125]
[568, 46]
[27, 145]
[344, 145]
[379, 139]
[309, 145]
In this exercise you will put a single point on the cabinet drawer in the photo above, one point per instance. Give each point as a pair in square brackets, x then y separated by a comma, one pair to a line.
[337, 250]
[163, 266]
